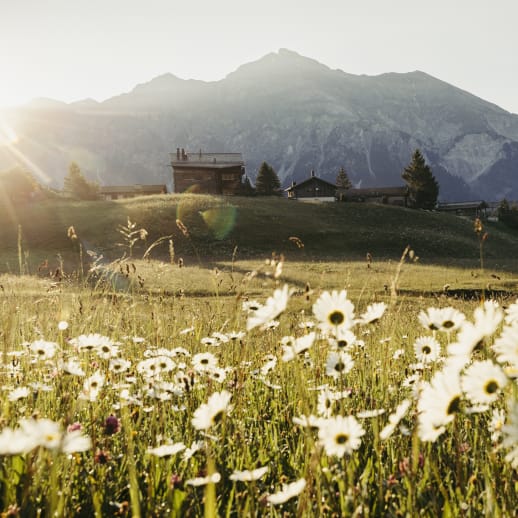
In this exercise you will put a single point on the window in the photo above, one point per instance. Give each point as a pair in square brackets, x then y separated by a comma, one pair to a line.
[228, 177]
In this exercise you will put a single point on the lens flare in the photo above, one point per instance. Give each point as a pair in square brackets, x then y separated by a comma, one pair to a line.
[220, 220]
[8, 136]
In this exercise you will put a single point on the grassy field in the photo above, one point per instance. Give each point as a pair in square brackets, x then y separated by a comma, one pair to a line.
[256, 226]
[145, 388]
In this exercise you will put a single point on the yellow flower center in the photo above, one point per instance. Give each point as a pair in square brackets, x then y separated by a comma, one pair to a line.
[336, 318]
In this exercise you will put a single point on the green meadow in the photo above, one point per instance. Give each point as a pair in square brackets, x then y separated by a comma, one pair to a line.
[135, 381]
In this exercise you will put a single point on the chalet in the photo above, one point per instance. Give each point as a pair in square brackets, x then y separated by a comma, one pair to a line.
[384, 195]
[209, 173]
[312, 189]
[475, 209]
[118, 192]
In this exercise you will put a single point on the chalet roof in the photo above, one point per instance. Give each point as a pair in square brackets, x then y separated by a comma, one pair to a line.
[311, 179]
[372, 192]
[136, 188]
[212, 160]
[459, 205]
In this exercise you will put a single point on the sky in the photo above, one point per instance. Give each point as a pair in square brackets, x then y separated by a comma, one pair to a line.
[76, 49]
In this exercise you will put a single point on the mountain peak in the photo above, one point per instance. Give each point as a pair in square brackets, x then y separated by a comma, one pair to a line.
[281, 63]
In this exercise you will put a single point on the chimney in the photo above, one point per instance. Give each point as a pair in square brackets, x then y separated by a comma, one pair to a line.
[312, 173]
[184, 156]
[177, 153]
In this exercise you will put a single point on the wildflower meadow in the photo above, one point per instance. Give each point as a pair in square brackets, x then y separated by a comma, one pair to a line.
[257, 393]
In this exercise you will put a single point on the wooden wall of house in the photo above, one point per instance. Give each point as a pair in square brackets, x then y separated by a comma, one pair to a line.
[313, 188]
[208, 181]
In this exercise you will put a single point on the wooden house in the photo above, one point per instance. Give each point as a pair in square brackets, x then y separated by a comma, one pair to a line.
[312, 189]
[475, 209]
[384, 195]
[208, 173]
[118, 192]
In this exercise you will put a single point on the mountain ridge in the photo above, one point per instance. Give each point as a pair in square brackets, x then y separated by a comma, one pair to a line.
[294, 112]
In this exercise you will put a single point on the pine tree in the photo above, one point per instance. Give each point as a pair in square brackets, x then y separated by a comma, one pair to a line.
[18, 184]
[422, 186]
[76, 186]
[342, 180]
[267, 182]
[247, 188]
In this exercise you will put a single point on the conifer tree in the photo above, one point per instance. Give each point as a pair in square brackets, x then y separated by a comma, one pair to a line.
[342, 180]
[422, 186]
[267, 182]
[18, 184]
[76, 186]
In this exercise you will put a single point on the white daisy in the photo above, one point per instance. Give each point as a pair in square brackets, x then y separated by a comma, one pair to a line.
[167, 450]
[483, 381]
[75, 442]
[90, 342]
[510, 434]
[327, 400]
[373, 313]
[340, 435]
[342, 338]
[310, 421]
[192, 449]
[179, 352]
[334, 310]
[395, 419]
[273, 307]
[210, 413]
[43, 350]
[42, 432]
[118, 365]
[299, 346]
[251, 305]
[268, 366]
[469, 339]
[496, 424]
[217, 374]
[63, 325]
[511, 314]
[488, 317]
[506, 346]
[203, 481]
[249, 476]
[288, 491]
[107, 350]
[15, 442]
[430, 319]
[369, 414]
[451, 320]
[427, 349]
[72, 367]
[438, 403]
[203, 362]
[18, 393]
[92, 386]
[338, 364]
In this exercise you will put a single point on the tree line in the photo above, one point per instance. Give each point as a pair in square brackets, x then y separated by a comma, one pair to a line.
[21, 186]
[423, 188]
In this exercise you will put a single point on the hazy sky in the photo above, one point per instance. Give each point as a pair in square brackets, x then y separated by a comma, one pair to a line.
[74, 49]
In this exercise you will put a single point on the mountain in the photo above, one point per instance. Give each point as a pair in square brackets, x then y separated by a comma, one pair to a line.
[293, 112]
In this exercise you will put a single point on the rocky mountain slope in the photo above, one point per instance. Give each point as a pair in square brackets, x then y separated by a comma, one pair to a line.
[289, 110]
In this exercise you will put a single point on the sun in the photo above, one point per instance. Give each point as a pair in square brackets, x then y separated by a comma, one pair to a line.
[8, 136]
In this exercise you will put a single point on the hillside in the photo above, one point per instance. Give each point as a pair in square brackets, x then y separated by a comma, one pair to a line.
[256, 226]
[293, 112]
